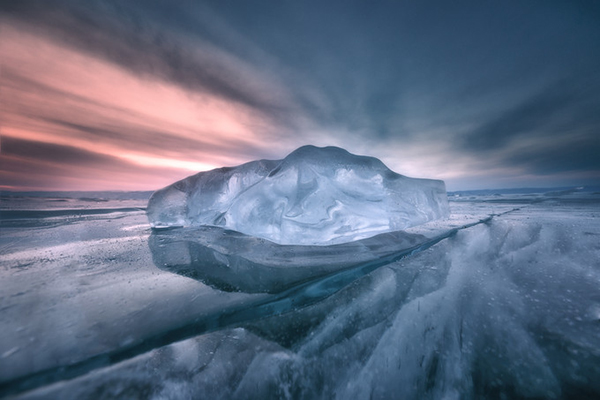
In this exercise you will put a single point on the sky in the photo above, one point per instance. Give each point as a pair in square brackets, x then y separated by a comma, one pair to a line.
[134, 95]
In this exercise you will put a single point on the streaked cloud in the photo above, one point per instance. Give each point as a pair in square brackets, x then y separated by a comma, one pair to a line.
[34, 165]
[481, 94]
[57, 95]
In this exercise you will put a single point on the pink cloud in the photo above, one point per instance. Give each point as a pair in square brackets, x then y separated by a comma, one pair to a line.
[55, 94]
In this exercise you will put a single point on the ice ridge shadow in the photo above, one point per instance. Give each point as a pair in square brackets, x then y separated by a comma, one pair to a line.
[234, 262]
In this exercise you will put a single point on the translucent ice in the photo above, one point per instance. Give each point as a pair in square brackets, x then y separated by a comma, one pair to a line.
[234, 262]
[313, 196]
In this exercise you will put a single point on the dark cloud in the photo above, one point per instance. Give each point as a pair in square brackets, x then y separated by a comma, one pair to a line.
[576, 153]
[138, 40]
[557, 109]
[382, 66]
[148, 141]
[33, 164]
[71, 157]
[554, 131]
[25, 163]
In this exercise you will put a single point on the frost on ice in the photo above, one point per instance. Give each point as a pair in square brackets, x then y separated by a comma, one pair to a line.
[313, 196]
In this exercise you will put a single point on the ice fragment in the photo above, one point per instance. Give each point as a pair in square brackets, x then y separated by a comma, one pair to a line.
[314, 196]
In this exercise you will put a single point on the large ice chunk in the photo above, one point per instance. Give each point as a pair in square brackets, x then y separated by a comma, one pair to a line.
[313, 196]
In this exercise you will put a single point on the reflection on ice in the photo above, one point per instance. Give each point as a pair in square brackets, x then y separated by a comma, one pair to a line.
[232, 261]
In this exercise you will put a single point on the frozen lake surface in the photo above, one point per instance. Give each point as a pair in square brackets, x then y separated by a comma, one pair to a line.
[501, 300]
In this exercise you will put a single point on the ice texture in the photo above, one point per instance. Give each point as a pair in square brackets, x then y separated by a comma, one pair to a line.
[314, 196]
[96, 306]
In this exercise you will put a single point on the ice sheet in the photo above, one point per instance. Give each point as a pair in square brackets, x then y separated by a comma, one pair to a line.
[507, 308]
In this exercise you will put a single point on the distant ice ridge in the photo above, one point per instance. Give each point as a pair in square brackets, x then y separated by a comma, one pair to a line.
[314, 196]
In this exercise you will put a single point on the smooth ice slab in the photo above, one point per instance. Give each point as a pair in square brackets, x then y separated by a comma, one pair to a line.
[313, 196]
